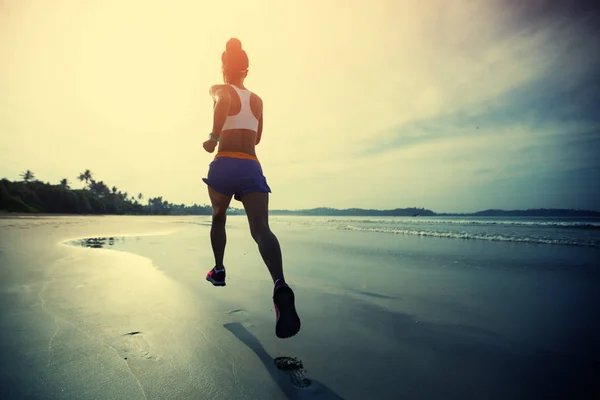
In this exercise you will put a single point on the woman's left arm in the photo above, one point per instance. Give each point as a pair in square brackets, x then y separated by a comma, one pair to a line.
[221, 110]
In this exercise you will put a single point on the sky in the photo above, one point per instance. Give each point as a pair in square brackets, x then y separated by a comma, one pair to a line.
[454, 106]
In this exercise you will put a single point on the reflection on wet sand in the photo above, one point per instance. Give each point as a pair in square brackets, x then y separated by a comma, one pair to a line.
[98, 242]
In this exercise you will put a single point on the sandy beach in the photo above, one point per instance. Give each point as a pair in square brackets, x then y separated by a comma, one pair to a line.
[384, 316]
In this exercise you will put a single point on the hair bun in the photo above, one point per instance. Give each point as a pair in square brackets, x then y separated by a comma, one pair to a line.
[233, 45]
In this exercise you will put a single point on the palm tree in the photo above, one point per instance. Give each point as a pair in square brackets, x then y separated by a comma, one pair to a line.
[114, 190]
[28, 176]
[99, 188]
[86, 176]
[65, 183]
[140, 196]
[103, 188]
[93, 186]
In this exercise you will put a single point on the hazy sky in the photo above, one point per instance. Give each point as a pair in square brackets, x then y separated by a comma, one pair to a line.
[448, 105]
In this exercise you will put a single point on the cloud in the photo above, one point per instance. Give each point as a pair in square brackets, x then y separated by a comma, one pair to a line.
[376, 105]
[478, 105]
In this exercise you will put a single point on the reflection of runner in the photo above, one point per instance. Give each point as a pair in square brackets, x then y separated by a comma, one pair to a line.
[236, 172]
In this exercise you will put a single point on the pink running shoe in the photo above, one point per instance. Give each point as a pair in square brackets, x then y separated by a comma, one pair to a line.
[217, 278]
[288, 321]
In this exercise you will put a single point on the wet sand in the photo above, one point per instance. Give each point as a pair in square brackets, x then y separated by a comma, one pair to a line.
[383, 316]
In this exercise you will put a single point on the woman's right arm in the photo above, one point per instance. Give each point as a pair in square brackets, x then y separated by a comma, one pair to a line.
[259, 130]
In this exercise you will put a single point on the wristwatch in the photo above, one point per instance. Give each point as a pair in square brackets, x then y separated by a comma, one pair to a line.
[211, 137]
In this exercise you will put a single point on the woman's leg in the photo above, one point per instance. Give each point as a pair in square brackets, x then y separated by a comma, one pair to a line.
[218, 238]
[257, 210]
[256, 205]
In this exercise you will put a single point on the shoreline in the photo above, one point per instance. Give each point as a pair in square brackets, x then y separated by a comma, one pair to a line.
[469, 230]
[582, 214]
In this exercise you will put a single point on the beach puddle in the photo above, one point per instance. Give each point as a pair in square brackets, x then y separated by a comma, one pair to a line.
[97, 242]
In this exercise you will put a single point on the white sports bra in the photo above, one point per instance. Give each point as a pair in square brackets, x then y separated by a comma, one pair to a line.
[244, 119]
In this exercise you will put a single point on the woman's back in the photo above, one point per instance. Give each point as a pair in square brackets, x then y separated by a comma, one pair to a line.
[243, 125]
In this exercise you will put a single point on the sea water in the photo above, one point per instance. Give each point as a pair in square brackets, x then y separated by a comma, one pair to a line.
[557, 231]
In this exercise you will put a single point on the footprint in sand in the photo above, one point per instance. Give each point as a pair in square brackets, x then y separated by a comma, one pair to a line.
[294, 368]
[133, 345]
[240, 315]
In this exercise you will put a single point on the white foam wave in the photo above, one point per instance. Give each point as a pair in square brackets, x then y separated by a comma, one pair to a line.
[476, 236]
[417, 221]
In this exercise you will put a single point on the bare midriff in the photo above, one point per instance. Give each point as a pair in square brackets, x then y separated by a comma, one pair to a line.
[237, 143]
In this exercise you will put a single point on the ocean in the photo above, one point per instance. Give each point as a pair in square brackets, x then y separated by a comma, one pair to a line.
[554, 231]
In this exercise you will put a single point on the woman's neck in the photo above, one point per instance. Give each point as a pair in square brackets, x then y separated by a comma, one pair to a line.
[238, 84]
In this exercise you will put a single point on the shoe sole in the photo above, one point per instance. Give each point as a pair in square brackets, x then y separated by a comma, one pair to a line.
[288, 323]
[215, 283]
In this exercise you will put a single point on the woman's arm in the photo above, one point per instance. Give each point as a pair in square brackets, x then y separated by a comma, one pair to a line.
[214, 89]
[221, 108]
[220, 112]
[259, 130]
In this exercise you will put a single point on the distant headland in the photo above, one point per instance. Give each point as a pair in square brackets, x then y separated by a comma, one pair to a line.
[33, 196]
[421, 212]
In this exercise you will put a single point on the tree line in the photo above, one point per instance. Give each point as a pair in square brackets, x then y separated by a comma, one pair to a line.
[31, 195]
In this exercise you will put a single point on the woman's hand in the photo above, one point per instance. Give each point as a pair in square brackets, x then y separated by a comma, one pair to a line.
[209, 145]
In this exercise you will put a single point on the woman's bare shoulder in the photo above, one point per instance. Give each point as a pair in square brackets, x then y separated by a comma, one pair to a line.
[215, 89]
[256, 105]
[256, 97]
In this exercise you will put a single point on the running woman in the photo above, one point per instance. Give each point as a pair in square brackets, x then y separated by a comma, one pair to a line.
[235, 172]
